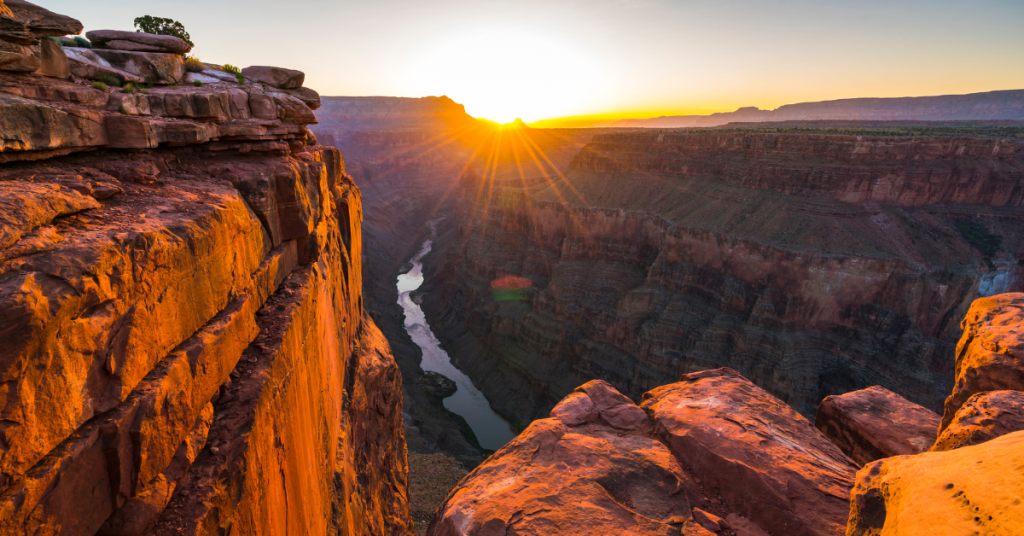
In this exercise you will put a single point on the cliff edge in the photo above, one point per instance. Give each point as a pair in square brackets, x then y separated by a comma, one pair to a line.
[184, 344]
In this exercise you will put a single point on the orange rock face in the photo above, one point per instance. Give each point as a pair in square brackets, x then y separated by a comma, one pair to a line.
[710, 452]
[767, 462]
[970, 490]
[182, 340]
[990, 354]
[983, 417]
[876, 423]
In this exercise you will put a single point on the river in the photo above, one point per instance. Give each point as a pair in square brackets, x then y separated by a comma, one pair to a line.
[491, 430]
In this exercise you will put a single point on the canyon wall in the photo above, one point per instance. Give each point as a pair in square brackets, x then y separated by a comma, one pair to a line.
[987, 106]
[812, 264]
[184, 344]
[406, 156]
[713, 454]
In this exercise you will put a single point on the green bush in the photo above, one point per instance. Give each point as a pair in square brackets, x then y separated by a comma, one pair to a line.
[111, 80]
[99, 85]
[198, 83]
[157, 25]
[68, 43]
[240, 79]
[193, 65]
[228, 68]
[120, 108]
[56, 40]
[82, 42]
[128, 88]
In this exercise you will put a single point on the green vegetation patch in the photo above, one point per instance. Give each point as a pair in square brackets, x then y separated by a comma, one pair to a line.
[978, 236]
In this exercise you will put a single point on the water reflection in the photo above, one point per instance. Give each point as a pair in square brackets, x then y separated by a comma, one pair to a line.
[492, 431]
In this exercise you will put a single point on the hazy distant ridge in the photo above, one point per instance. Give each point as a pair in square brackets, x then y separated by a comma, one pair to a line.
[992, 106]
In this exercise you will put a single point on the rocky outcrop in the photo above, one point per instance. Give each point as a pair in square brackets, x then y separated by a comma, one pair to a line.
[990, 354]
[876, 423]
[184, 343]
[983, 417]
[278, 77]
[137, 41]
[970, 490]
[814, 264]
[710, 453]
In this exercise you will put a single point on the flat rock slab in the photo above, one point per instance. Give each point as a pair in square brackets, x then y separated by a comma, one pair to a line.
[985, 416]
[768, 463]
[876, 423]
[278, 77]
[970, 490]
[990, 354]
[137, 41]
[157, 67]
[43, 22]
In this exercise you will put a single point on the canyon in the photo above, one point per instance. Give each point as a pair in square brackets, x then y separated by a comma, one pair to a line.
[813, 264]
[215, 288]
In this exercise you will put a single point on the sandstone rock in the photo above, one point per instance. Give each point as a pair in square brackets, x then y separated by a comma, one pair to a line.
[308, 96]
[742, 526]
[990, 354]
[43, 22]
[160, 68]
[766, 461]
[876, 423]
[128, 132]
[556, 480]
[85, 63]
[614, 408]
[985, 416]
[970, 490]
[25, 206]
[14, 30]
[19, 58]
[137, 41]
[53, 62]
[275, 76]
[707, 520]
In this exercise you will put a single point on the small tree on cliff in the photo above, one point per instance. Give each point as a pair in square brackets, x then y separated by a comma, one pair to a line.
[157, 25]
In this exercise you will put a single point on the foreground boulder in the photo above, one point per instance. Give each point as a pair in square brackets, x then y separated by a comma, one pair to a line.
[970, 490]
[137, 41]
[876, 423]
[708, 453]
[985, 416]
[990, 354]
[767, 462]
[275, 76]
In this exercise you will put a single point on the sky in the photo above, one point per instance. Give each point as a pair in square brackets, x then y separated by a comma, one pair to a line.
[544, 59]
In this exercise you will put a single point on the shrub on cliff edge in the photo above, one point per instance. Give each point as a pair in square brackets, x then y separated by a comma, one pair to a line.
[160, 26]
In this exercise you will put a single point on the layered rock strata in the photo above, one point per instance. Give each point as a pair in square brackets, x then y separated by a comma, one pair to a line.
[876, 423]
[184, 344]
[710, 453]
[970, 482]
[814, 264]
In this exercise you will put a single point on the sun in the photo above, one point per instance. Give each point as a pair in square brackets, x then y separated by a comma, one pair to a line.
[503, 74]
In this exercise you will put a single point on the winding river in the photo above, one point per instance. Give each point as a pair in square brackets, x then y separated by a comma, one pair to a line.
[491, 430]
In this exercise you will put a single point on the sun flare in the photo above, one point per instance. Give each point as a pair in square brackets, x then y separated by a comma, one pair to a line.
[502, 74]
